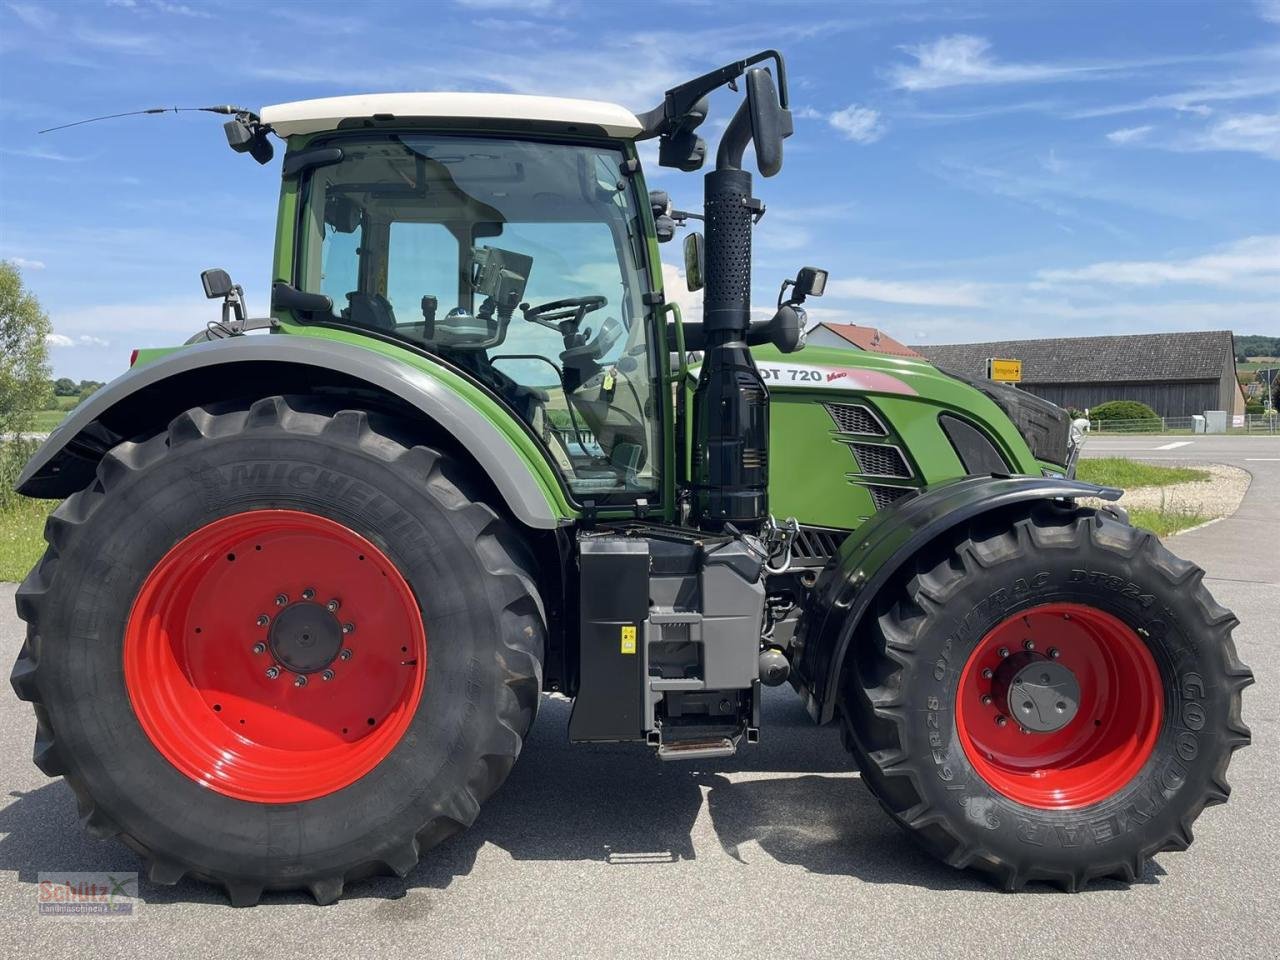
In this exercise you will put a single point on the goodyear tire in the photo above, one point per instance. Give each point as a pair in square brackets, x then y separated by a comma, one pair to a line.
[280, 647]
[1047, 696]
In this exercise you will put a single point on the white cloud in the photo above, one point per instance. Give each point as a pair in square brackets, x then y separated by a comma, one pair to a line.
[1246, 132]
[859, 124]
[40, 153]
[84, 340]
[23, 263]
[36, 17]
[1129, 134]
[1251, 263]
[965, 60]
[962, 60]
[1269, 10]
[894, 291]
[176, 318]
[676, 290]
[527, 6]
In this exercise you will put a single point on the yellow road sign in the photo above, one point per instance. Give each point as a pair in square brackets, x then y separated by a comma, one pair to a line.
[1004, 371]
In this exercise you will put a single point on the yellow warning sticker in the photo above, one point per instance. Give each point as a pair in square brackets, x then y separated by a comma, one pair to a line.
[629, 639]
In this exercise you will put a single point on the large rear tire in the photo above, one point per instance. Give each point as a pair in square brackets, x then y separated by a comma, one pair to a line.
[1049, 695]
[279, 646]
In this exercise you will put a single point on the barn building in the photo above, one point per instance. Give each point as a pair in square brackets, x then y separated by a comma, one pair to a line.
[1176, 374]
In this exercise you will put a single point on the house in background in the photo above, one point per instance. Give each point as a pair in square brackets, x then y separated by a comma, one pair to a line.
[1176, 374]
[862, 338]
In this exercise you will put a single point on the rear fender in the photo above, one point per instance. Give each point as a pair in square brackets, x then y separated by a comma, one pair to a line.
[876, 551]
[68, 458]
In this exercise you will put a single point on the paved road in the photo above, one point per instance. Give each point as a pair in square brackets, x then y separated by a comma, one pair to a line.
[1242, 547]
[599, 852]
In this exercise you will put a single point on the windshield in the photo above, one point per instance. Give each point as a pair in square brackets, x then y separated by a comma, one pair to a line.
[521, 262]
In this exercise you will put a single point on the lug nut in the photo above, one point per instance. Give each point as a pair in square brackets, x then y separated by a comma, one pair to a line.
[1028, 644]
[987, 674]
[281, 599]
[1002, 721]
[259, 648]
[348, 628]
[327, 675]
[263, 620]
[308, 594]
[1054, 654]
[299, 681]
[273, 672]
[1003, 652]
[345, 654]
[986, 699]
[332, 606]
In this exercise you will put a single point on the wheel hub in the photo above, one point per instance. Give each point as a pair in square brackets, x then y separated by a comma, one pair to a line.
[245, 667]
[1040, 694]
[305, 637]
[1059, 705]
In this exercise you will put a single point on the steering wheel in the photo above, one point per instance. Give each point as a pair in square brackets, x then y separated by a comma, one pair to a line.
[562, 316]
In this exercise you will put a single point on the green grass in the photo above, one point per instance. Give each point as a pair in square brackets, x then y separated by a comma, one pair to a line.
[21, 540]
[1164, 521]
[46, 420]
[1130, 474]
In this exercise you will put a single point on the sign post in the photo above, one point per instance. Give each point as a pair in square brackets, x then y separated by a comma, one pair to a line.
[1004, 371]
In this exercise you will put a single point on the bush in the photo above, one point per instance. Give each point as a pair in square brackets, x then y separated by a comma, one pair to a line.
[1122, 410]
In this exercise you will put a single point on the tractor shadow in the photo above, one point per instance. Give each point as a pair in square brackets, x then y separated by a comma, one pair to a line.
[609, 803]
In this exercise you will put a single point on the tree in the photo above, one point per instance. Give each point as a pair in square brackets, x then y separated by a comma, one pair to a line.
[24, 372]
[65, 387]
[24, 355]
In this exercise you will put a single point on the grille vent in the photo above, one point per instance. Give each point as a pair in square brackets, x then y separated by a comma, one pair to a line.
[855, 418]
[875, 460]
[887, 496]
[817, 543]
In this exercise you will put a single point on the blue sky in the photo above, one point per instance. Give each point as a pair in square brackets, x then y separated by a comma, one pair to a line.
[966, 171]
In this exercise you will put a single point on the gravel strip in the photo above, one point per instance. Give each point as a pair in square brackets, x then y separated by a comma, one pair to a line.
[1219, 496]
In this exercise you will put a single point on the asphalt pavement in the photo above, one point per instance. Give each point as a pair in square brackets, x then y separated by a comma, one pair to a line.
[603, 851]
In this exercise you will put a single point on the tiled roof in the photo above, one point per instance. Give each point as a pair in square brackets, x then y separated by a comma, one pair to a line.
[1201, 355]
[869, 339]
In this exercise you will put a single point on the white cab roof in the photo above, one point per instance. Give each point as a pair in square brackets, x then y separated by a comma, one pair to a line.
[312, 116]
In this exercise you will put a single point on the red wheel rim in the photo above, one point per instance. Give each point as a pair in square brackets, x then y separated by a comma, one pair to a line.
[1106, 741]
[275, 591]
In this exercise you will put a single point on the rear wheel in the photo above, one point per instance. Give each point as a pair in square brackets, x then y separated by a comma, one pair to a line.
[280, 647]
[1050, 696]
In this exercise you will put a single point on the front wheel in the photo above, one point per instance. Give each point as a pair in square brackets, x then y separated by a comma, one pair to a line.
[280, 646]
[1049, 696]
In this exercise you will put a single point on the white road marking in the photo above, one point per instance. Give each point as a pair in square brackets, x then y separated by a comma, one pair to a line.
[1175, 445]
[1262, 459]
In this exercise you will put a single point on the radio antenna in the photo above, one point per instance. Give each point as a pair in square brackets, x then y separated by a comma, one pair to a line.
[225, 109]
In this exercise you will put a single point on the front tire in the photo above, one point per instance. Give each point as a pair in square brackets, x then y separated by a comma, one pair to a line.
[1049, 695]
[280, 647]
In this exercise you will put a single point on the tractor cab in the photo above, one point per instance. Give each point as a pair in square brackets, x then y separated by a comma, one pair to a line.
[518, 257]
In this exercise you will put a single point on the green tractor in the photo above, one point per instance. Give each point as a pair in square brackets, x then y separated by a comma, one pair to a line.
[314, 572]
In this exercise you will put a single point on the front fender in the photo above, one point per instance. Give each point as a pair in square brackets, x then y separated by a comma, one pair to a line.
[67, 459]
[874, 552]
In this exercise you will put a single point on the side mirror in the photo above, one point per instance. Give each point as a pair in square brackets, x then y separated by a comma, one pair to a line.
[217, 283]
[770, 120]
[695, 261]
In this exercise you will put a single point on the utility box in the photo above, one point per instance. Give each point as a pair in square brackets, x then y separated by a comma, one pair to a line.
[1197, 423]
[1215, 421]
